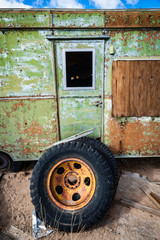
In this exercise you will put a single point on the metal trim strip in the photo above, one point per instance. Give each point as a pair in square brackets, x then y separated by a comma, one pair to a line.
[58, 37]
[26, 98]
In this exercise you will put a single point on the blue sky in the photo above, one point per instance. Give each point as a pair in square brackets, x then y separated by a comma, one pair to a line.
[85, 4]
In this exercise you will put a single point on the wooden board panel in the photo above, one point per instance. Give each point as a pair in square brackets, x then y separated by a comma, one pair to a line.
[136, 88]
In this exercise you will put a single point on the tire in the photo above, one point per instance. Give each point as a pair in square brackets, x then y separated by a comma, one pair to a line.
[105, 152]
[7, 164]
[68, 204]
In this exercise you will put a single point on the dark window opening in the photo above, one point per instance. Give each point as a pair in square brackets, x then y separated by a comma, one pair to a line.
[79, 69]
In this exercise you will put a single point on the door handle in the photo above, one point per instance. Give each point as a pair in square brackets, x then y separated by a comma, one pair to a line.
[97, 103]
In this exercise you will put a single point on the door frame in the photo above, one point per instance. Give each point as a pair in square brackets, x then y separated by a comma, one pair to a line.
[54, 39]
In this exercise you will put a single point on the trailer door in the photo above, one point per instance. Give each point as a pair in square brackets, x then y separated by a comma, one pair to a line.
[79, 76]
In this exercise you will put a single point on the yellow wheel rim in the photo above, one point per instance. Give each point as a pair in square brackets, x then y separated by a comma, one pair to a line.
[71, 184]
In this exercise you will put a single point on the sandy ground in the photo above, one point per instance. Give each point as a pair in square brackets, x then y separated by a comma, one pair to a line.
[119, 223]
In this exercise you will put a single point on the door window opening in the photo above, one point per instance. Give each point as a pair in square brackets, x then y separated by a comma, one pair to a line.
[79, 67]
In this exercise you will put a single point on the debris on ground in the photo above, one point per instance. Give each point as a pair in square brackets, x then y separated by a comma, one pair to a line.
[132, 188]
[136, 193]
[38, 227]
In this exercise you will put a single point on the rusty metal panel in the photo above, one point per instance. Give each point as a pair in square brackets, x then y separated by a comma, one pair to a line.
[142, 44]
[27, 126]
[79, 18]
[131, 136]
[79, 114]
[74, 19]
[77, 108]
[24, 19]
[132, 19]
[99, 46]
[26, 69]
[26, 63]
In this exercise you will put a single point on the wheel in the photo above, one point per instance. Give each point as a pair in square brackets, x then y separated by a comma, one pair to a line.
[5, 162]
[71, 186]
[105, 152]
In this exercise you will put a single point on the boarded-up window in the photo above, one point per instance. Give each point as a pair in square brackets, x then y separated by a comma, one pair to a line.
[136, 88]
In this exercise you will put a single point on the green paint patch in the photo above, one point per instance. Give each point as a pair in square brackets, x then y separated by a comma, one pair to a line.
[78, 19]
[27, 64]
[24, 19]
[27, 126]
[79, 114]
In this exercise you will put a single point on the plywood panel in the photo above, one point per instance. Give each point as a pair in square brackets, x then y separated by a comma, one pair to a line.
[136, 88]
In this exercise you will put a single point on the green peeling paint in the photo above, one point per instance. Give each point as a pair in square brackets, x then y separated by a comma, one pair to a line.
[27, 126]
[79, 114]
[76, 19]
[142, 44]
[99, 68]
[26, 64]
[24, 19]
[77, 110]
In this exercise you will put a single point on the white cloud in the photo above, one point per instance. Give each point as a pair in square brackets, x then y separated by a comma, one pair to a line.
[108, 4]
[13, 4]
[65, 4]
[38, 3]
[133, 2]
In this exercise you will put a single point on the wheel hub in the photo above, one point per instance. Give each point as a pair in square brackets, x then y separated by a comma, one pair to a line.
[72, 180]
[71, 183]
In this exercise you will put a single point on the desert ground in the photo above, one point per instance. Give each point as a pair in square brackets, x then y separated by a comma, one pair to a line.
[121, 222]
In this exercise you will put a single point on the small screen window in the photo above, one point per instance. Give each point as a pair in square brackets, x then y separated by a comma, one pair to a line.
[79, 69]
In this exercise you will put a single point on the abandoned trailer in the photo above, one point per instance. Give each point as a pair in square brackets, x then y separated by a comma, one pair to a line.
[65, 74]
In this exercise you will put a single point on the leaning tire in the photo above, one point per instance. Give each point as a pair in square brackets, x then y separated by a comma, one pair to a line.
[105, 152]
[71, 186]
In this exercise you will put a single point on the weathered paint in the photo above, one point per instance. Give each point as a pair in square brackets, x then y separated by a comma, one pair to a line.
[27, 126]
[70, 180]
[41, 18]
[79, 114]
[28, 82]
[143, 44]
[131, 136]
[132, 19]
[77, 108]
[24, 19]
[99, 46]
[78, 19]
[26, 64]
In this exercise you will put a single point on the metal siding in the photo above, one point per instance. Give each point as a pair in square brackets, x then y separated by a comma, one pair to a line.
[24, 19]
[26, 61]
[130, 135]
[78, 19]
[132, 19]
[26, 69]
[77, 111]
[79, 114]
[27, 126]
[99, 55]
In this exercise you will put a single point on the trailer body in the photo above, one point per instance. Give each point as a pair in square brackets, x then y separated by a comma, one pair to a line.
[45, 55]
